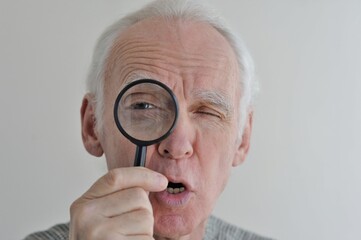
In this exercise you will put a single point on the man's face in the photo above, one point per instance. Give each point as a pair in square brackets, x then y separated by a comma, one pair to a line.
[198, 64]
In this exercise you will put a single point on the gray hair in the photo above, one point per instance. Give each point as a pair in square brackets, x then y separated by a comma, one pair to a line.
[192, 10]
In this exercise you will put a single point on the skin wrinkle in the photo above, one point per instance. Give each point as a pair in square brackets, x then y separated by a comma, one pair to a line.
[133, 62]
[124, 47]
[167, 68]
[173, 20]
[118, 52]
[217, 99]
[156, 68]
[161, 59]
[208, 69]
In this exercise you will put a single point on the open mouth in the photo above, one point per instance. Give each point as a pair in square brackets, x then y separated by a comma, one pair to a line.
[175, 188]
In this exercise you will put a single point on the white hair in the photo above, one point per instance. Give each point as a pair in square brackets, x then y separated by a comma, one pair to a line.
[192, 10]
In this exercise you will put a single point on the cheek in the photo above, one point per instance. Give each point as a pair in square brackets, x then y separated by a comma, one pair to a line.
[216, 145]
[118, 151]
[122, 156]
[216, 151]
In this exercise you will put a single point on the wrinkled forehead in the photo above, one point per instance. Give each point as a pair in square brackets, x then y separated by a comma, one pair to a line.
[185, 36]
[175, 31]
[175, 47]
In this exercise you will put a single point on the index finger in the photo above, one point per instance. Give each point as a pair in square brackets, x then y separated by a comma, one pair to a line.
[123, 178]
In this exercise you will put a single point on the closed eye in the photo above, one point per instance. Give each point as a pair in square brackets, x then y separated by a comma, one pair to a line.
[209, 112]
[212, 105]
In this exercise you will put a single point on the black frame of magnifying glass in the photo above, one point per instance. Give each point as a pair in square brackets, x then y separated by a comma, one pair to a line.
[138, 142]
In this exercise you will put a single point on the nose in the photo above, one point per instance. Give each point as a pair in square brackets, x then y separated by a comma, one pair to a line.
[179, 144]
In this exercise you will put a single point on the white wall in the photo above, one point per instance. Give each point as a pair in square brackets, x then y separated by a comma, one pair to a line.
[302, 179]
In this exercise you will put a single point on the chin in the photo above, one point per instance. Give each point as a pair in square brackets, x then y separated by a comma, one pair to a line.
[173, 226]
[177, 215]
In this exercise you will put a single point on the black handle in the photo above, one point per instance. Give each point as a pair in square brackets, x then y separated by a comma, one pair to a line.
[140, 154]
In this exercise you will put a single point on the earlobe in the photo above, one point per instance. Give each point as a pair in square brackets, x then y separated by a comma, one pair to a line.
[244, 145]
[88, 131]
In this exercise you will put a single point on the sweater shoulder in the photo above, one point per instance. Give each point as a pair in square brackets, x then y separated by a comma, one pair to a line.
[220, 229]
[57, 232]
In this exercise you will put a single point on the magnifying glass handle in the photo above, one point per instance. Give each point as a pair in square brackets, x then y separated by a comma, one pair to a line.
[140, 153]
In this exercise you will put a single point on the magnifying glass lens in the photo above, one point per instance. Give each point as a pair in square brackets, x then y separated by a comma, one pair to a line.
[146, 111]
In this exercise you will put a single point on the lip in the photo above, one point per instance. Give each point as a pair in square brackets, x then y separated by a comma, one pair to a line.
[186, 184]
[173, 200]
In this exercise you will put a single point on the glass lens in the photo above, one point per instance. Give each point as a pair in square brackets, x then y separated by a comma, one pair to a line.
[146, 111]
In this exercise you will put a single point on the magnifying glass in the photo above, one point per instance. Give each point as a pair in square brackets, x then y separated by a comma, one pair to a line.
[145, 112]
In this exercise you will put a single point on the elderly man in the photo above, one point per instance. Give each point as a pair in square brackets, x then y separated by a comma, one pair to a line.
[184, 46]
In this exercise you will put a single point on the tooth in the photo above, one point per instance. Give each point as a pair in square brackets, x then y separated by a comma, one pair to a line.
[175, 190]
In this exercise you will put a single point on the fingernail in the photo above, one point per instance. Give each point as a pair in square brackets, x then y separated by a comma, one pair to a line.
[162, 180]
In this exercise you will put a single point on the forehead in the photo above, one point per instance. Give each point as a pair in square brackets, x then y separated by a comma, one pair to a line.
[177, 52]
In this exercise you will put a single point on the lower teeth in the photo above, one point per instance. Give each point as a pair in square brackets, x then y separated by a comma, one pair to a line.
[175, 190]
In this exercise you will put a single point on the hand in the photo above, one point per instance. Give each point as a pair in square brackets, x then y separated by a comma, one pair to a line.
[117, 206]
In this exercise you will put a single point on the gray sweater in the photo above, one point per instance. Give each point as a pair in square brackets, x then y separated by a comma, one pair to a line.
[216, 229]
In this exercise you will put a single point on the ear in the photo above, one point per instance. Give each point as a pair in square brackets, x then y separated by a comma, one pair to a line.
[88, 131]
[244, 145]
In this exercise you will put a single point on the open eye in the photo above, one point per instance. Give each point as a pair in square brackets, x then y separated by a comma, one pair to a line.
[142, 105]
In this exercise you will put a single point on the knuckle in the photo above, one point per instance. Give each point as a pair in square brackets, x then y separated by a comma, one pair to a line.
[148, 216]
[73, 207]
[94, 232]
[112, 178]
[149, 219]
[139, 193]
[75, 218]
[144, 220]
[80, 211]
[81, 220]
[140, 199]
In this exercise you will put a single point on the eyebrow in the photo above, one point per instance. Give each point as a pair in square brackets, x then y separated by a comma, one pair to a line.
[216, 99]
[136, 76]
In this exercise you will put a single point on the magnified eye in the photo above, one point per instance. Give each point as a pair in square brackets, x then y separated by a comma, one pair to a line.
[142, 105]
[141, 101]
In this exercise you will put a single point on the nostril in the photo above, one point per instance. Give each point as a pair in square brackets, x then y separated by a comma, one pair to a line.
[166, 153]
[175, 149]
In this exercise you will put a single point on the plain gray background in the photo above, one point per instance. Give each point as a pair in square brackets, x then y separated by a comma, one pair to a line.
[302, 178]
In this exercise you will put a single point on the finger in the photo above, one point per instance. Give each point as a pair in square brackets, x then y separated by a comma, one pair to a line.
[140, 237]
[113, 229]
[121, 202]
[133, 223]
[124, 178]
[116, 236]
